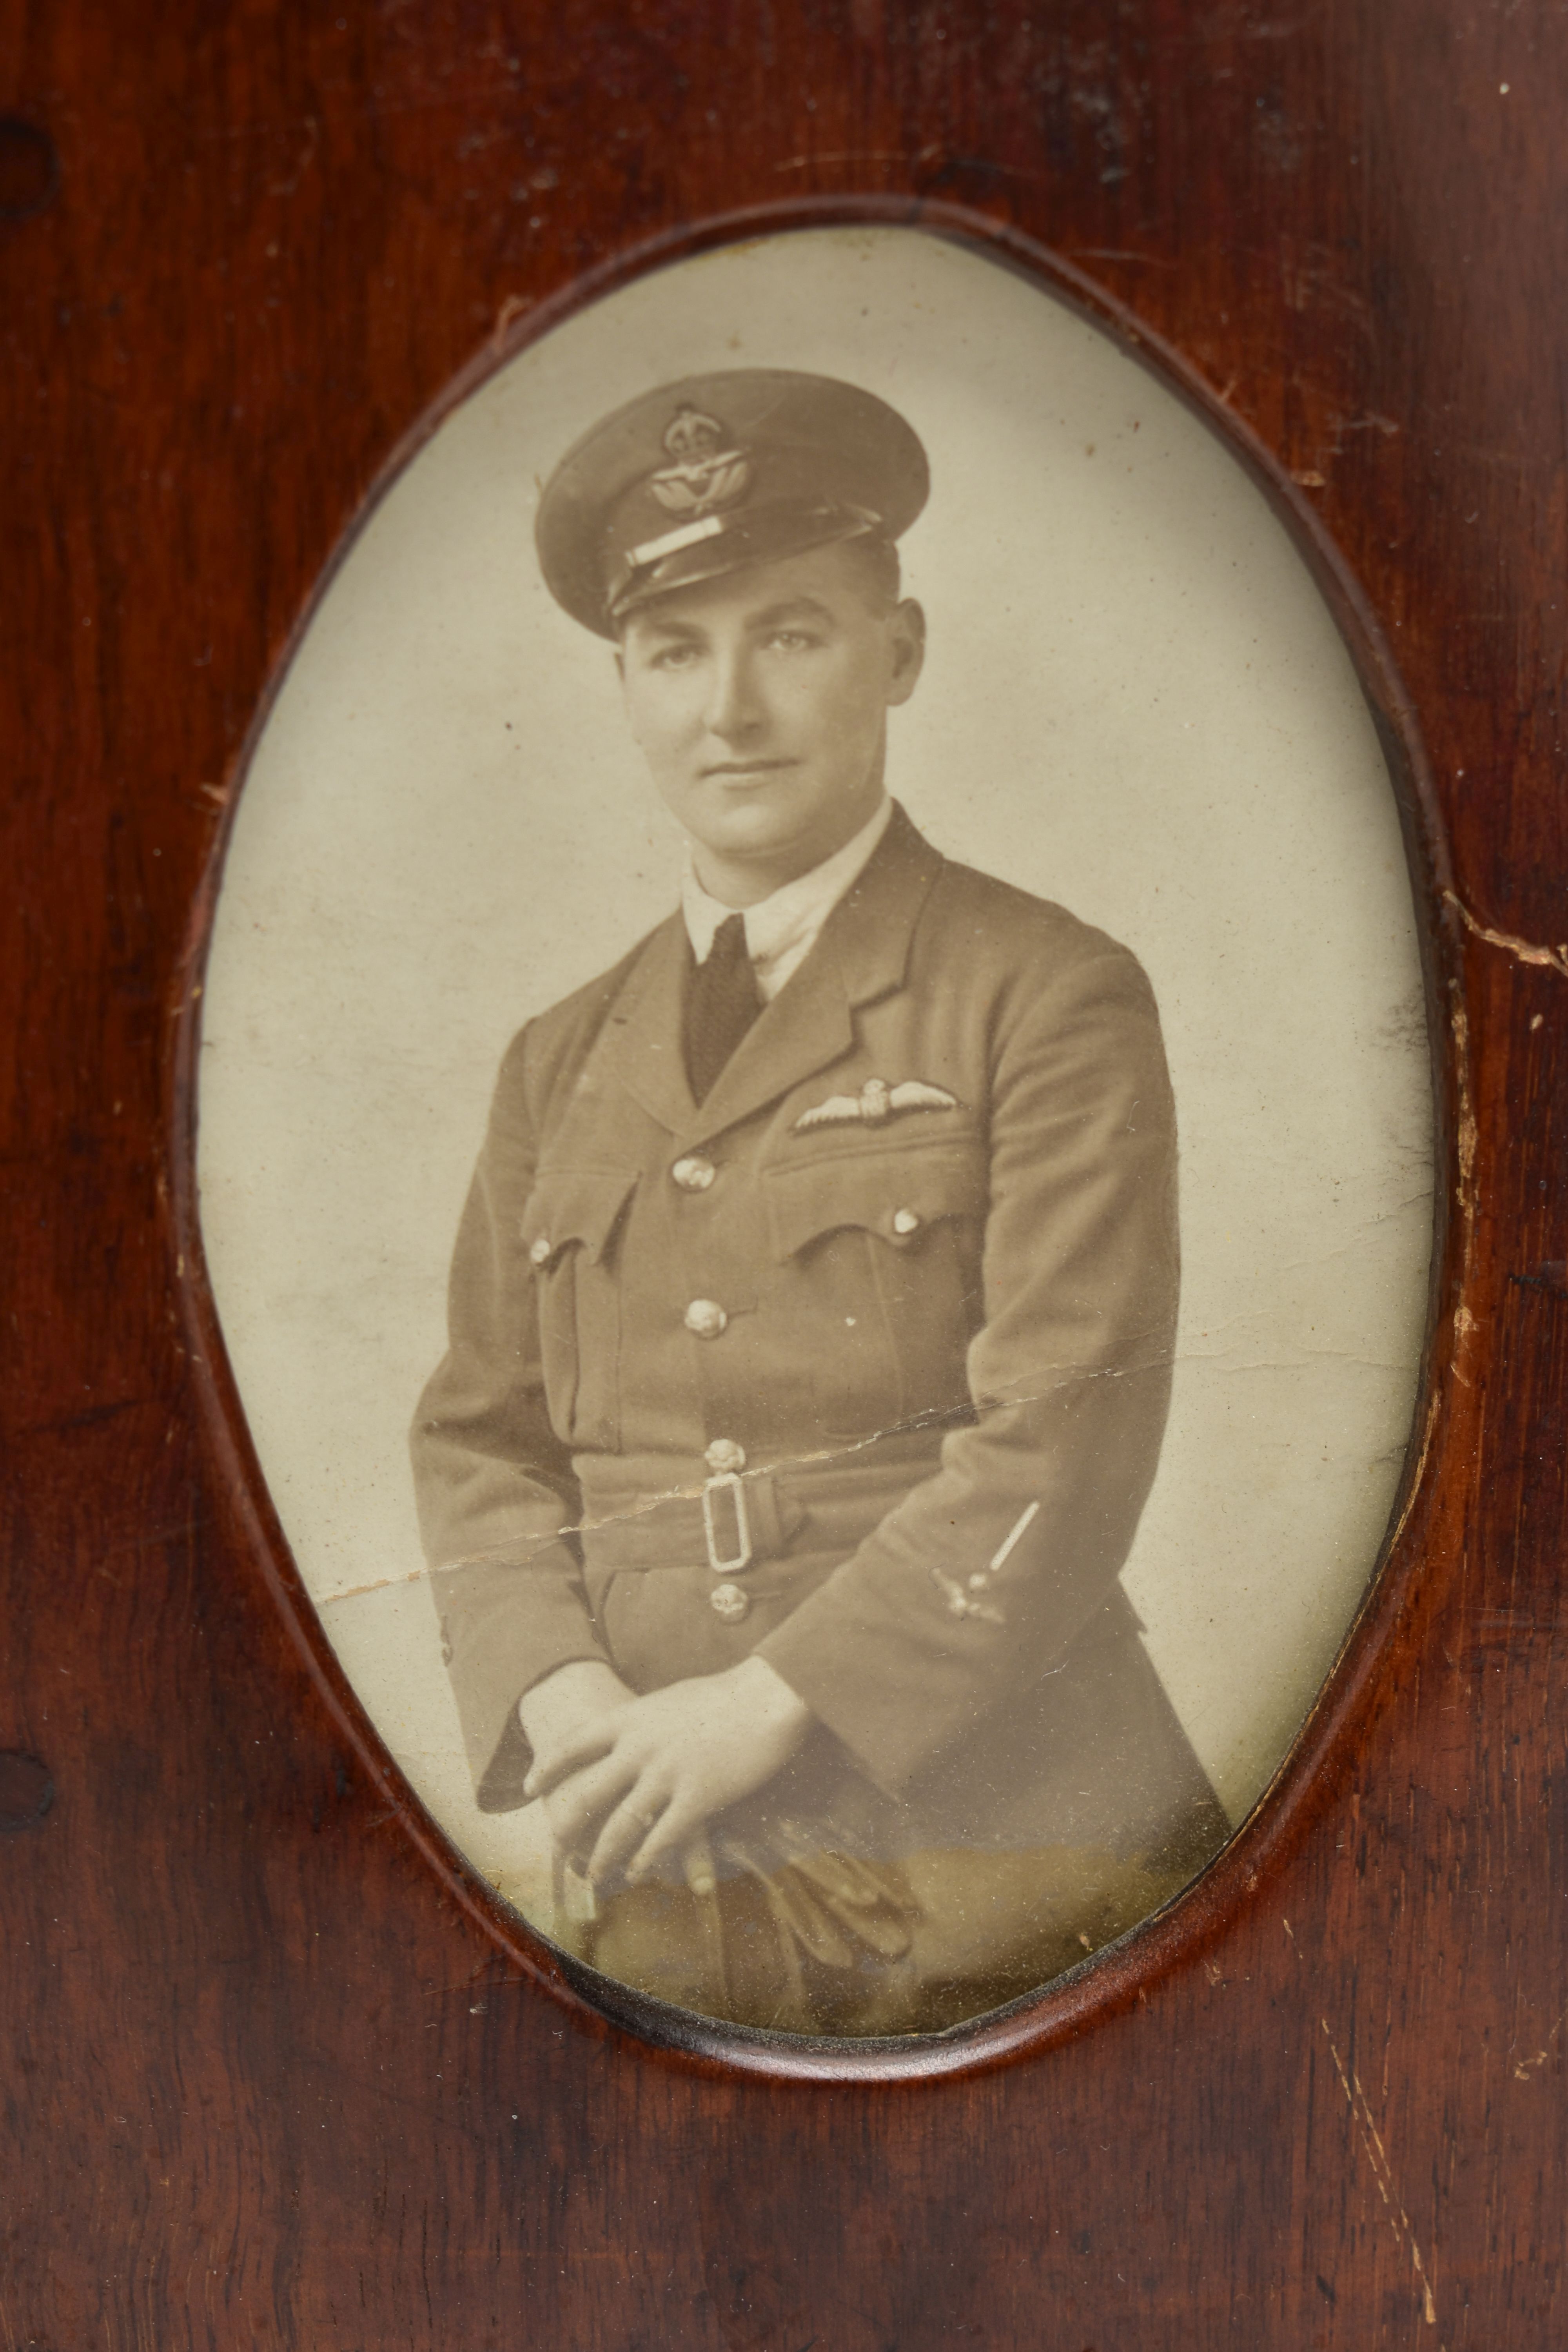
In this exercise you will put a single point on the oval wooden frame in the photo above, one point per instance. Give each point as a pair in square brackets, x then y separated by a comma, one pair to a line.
[1120, 1974]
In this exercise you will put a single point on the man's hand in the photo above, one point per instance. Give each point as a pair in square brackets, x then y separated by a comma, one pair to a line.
[646, 1776]
[572, 1696]
[555, 1715]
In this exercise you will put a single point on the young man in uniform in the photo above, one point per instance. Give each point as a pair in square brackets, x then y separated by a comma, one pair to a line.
[813, 1309]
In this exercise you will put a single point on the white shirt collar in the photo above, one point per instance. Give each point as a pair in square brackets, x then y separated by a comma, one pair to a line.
[782, 930]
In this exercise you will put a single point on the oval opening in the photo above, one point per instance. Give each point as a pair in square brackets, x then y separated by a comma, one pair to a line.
[859, 1404]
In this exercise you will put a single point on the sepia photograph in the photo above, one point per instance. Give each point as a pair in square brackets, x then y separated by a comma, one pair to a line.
[814, 1134]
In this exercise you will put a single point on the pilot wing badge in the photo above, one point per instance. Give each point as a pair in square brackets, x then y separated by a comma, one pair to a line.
[876, 1103]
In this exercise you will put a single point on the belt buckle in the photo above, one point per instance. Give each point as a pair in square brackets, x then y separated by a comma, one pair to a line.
[743, 1559]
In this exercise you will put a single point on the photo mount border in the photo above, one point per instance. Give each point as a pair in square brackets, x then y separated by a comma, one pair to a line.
[1118, 1976]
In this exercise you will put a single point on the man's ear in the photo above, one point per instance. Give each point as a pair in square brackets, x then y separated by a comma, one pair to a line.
[907, 632]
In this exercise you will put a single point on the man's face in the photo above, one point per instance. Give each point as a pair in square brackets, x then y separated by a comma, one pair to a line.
[759, 701]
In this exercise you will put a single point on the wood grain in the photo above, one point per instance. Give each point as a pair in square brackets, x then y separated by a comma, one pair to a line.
[279, 2075]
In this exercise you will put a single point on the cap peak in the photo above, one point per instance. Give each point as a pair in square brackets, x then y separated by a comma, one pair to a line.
[716, 473]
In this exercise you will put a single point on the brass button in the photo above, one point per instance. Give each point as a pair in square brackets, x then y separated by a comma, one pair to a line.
[540, 1251]
[725, 1458]
[727, 1601]
[706, 1317]
[905, 1221]
[694, 1173]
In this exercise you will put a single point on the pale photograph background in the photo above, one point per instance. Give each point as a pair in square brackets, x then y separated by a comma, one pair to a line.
[1135, 702]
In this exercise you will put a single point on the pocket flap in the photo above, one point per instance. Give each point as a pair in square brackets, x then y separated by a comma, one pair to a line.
[894, 1191]
[574, 1204]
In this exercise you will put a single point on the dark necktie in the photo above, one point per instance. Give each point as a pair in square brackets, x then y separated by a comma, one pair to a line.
[721, 1002]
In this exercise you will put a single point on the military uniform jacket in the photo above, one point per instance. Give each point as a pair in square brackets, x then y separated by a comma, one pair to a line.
[932, 1200]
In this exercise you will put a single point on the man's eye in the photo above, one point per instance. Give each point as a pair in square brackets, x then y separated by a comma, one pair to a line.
[792, 641]
[674, 657]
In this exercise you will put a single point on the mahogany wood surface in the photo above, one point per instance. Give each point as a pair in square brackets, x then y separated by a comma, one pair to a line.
[276, 2072]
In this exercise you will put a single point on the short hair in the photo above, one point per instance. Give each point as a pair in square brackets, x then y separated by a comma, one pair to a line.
[876, 560]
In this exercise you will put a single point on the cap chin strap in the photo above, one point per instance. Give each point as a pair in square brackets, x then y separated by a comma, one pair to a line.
[732, 542]
[653, 550]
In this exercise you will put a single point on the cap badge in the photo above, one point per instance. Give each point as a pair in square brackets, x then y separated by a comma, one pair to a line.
[704, 474]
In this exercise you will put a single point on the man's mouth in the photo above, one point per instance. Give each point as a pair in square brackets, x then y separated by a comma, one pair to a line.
[749, 767]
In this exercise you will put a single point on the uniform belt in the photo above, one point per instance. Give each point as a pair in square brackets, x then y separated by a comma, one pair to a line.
[652, 1511]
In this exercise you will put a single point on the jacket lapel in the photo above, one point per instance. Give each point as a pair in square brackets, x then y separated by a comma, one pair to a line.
[862, 954]
[641, 1039]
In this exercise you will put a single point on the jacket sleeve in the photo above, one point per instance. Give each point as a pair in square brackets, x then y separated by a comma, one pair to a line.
[493, 1481]
[971, 1590]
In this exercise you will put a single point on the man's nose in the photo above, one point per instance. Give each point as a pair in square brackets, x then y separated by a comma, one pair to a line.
[734, 708]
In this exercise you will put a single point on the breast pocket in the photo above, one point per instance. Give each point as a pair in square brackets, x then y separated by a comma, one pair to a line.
[570, 1229]
[879, 1284]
